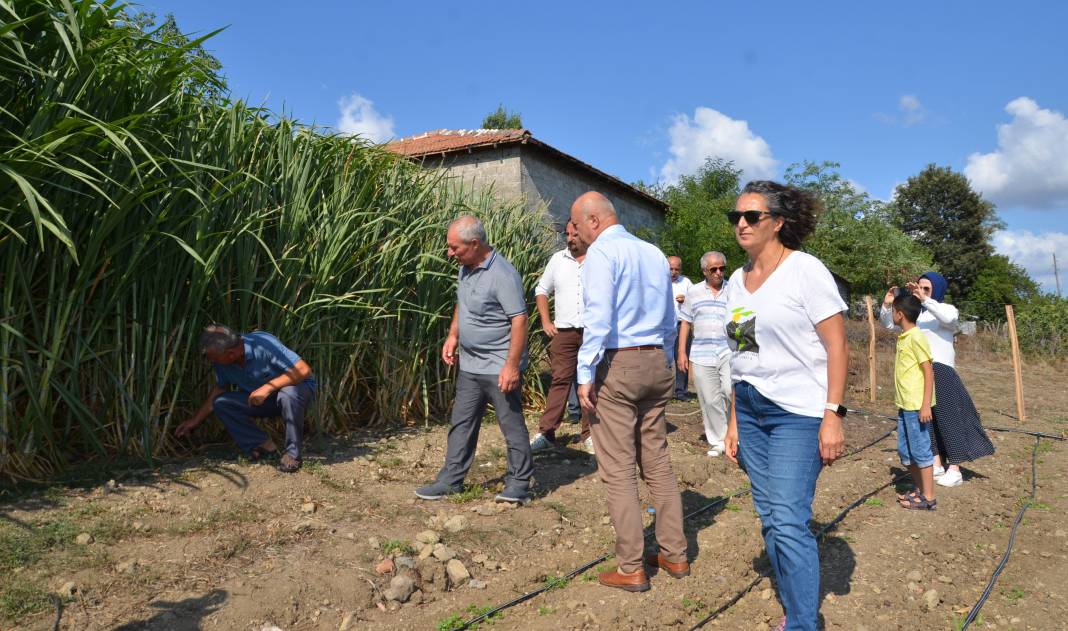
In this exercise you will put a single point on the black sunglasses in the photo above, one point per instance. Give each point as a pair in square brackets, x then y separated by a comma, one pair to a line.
[714, 269]
[752, 217]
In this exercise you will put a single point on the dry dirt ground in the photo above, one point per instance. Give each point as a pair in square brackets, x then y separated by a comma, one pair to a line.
[217, 543]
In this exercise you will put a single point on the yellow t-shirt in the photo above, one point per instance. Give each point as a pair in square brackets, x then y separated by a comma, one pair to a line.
[912, 350]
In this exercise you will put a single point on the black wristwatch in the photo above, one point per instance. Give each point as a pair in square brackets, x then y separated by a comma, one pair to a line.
[837, 408]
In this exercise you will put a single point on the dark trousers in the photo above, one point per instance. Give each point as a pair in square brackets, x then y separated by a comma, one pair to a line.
[563, 360]
[290, 403]
[473, 392]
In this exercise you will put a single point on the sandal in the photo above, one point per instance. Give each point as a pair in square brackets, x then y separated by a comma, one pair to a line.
[918, 502]
[259, 453]
[904, 497]
[291, 467]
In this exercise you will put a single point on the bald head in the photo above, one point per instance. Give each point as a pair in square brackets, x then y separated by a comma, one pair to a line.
[675, 263]
[592, 213]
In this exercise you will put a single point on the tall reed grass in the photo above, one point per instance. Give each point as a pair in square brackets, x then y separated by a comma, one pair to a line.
[135, 208]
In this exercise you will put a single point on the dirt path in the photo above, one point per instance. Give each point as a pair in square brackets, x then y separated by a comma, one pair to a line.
[219, 544]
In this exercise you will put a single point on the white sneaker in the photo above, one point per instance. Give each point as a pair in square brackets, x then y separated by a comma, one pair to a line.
[540, 442]
[588, 444]
[950, 478]
[939, 471]
[713, 453]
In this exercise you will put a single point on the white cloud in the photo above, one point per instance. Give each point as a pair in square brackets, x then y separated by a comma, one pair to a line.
[1030, 167]
[912, 110]
[710, 134]
[359, 117]
[1034, 253]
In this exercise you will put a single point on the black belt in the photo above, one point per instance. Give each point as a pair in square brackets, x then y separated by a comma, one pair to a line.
[646, 347]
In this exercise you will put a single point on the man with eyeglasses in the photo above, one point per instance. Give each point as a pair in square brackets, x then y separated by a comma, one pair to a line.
[708, 360]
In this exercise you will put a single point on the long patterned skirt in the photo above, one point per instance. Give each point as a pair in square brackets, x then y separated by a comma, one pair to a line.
[957, 433]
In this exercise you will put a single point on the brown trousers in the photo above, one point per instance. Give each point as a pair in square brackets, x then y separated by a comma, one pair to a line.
[632, 389]
[563, 359]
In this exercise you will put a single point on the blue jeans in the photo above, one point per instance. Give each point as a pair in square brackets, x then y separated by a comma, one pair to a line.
[779, 450]
[913, 440]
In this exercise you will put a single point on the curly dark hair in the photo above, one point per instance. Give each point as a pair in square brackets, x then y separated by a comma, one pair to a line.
[799, 209]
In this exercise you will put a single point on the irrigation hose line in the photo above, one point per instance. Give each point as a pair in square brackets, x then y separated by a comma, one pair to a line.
[985, 427]
[1012, 540]
[650, 532]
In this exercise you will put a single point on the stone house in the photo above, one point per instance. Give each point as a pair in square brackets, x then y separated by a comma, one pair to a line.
[521, 167]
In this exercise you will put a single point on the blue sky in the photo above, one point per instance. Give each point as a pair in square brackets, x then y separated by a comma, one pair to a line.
[647, 90]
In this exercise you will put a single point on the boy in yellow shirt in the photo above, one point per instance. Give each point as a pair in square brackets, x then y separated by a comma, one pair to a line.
[914, 396]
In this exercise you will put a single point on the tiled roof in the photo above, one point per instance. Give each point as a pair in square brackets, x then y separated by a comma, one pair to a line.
[449, 140]
[444, 141]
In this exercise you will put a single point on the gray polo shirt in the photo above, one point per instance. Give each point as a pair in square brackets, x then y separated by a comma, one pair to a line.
[488, 295]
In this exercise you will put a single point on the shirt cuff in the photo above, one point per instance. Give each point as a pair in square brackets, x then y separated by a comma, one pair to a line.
[583, 375]
[539, 291]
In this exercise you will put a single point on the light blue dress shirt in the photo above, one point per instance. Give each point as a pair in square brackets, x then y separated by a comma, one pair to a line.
[629, 299]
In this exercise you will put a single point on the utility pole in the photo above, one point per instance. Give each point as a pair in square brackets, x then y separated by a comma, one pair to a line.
[1056, 275]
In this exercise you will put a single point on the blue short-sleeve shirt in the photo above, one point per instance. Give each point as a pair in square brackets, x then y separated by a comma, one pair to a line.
[488, 295]
[265, 358]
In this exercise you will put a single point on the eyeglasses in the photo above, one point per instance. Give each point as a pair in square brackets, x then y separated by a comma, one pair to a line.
[752, 217]
[714, 268]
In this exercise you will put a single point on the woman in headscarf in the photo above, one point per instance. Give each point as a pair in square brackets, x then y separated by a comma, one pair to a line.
[956, 433]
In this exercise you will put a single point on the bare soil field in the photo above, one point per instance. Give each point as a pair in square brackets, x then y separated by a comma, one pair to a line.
[214, 542]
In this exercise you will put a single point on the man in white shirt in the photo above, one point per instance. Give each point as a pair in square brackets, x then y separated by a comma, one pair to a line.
[709, 356]
[625, 375]
[679, 286]
[563, 279]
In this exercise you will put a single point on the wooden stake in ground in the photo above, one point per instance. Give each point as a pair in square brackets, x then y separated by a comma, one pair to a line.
[871, 351]
[1016, 367]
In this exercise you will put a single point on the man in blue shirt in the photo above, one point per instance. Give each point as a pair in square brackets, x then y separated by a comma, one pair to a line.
[270, 380]
[626, 374]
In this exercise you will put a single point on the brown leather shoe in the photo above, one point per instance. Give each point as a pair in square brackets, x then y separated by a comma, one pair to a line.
[636, 582]
[675, 570]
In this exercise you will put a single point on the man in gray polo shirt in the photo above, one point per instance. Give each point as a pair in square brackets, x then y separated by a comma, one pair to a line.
[488, 336]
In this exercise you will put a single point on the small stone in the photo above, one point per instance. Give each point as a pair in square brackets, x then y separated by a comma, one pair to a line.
[431, 572]
[456, 523]
[914, 576]
[606, 521]
[416, 597]
[68, 589]
[913, 587]
[767, 594]
[485, 510]
[876, 589]
[476, 584]
[426, 552]
[428, 537]
[112, 485]
[386, 566]
[443, 553]
[269, 627]
[456, 572]
[126, 567]
[915, 535]
[1060, 533]
[830, 597]
[347, 622]
[308, 507]
[408, 562]
[373, 542]
[83, 539]
[400, 588]
[945, 579]
[479, 558]
[931, 599]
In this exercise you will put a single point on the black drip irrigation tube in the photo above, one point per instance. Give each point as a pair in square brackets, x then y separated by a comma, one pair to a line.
[649, 532]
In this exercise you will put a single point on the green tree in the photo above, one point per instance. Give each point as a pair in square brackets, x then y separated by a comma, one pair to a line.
[697, 218]
[999, 282]
[853, 237]
[203, 72]
[502, 119]
[940, 211]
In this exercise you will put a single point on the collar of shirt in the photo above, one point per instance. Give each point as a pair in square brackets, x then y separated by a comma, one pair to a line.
[485, 264]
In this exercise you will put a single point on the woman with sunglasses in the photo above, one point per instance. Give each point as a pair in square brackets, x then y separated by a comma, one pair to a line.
[957, 433]
[784, 323]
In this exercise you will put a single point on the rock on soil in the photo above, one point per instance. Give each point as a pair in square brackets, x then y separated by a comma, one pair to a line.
[385, 566]
[83, 539]
[428, 537]
[400, 588]
[456, 523]
[456, 572]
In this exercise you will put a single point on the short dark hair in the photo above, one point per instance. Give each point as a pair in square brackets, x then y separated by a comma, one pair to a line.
[798, 209]
[909, 306]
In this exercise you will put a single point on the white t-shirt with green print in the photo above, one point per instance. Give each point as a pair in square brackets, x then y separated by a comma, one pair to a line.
[772, 332]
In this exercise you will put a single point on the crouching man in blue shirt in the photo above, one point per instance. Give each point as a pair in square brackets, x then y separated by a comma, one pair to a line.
[271, 380]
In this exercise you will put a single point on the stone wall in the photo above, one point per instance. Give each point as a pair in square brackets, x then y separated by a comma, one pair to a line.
[556, 183]
[484, 168]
